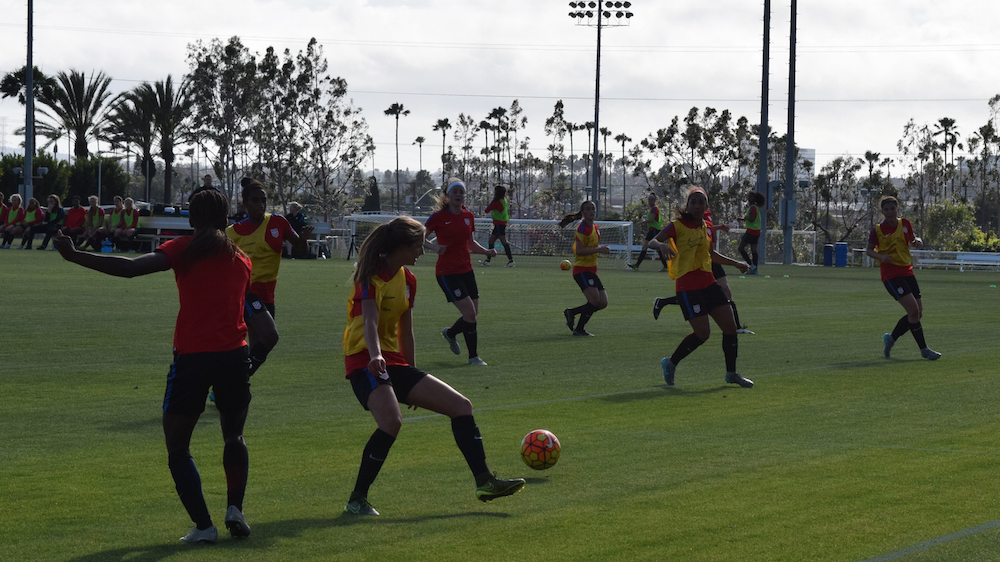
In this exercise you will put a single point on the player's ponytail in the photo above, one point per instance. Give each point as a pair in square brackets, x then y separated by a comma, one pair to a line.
[573, 217]
[399, 232]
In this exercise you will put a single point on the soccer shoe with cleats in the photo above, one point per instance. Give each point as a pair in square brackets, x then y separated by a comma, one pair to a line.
[510, 264]
[477, 361]
[360, 507]
[928, 353]
[209, 535]
[498, 487]
[484, 263]
[736, 378]
[582, 333]
[658, 305]
[887, 342]
[665, 270]
[237, 523]
[452, 342]
[632, 267]
[570, 319]
[744, 330]
[668, 370]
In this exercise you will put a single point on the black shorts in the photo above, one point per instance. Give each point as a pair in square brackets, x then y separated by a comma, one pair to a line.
[702, 301]
[252, 306]
[749, 238]
[459, 286]
[402, 379]
[899, 287]
[587, 279]
[499, 230]
[651, 233]
[717, 270]
[192, 374]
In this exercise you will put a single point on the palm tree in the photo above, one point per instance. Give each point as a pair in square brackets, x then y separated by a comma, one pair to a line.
[605, 132]
[396, 110]
[946, 128]
[420, 141]
[78, 105]
[443, 125]
[130, 123]
[172, 108]
[622, 138]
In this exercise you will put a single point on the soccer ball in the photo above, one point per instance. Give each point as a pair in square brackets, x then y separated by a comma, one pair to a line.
[540, 449]
[565, 265]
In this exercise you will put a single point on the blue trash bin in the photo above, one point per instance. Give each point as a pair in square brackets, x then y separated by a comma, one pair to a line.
[828, 255]
[841, 252]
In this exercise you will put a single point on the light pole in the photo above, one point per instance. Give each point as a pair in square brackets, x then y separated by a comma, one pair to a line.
[586, 13]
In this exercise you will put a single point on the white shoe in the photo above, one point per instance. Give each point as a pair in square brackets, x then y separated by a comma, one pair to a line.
[237, 523]
[209, 535]
[484, 262]
[477, 361]
[510, 264]
[452, 342]
[744, 331]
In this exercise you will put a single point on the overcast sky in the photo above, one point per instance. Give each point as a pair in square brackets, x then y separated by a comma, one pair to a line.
[864, 68]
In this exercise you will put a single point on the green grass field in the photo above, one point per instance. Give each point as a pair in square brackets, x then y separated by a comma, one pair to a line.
[836, 454]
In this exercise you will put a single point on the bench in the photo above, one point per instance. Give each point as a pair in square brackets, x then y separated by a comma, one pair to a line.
[156, 230]
[961, 260]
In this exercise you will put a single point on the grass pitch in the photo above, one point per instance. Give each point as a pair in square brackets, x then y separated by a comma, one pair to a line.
[836, 454]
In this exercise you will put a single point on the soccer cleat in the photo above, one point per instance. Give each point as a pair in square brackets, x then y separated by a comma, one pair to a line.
[452, 342]
[237, 523]
[209, 535]
[744, 330]
[498, 487]
[570, 317]
[736, 378]
[582, 333]
[669, 368]
[41, 248]
[360, 507]
[658, 305]
[211, 396]
[889, 342]
[928, 353]
[632, 267]
[510, 264]
[665, 270]
[753, 270]
[484, 262]
[477, 361]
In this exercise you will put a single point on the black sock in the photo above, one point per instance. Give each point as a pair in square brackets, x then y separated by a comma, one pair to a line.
[901, 328]
[258, 354]
[918, 334]
[236, 462]
[730, 347]
[458, 327]
[746, 256]
[688, 344]
[586, 311]
[8, 238]
[506, 249]
[669, 300]
[736, 314]
[642, 256]
[375, 453]
[470, 442]
[187, 482]
[471, 339]
[663, 259]
[488, 258]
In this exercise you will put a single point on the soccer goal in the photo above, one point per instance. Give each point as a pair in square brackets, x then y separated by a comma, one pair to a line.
[532, 242]
[803, 245]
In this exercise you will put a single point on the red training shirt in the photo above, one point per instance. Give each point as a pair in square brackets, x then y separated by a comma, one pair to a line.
[453, 231]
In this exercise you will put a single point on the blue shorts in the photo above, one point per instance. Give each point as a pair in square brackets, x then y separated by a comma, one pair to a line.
[899, 287]
[459, 286]
[193, 374]
[587, 279]
[402, 379]
[702, 301]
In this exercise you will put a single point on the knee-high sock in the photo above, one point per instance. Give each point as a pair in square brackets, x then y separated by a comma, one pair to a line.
[730, 348]
[586, 311]
[746, 255]
[187, 482]
[901, 328]
[918, 334]
[642, 256]
[736, 314]
[663, 259]
[471, 339]
[375, 453]
[470, 442]
[488, 258]
[506, 249]
[459, 327]
[688, 345]
[236, 462]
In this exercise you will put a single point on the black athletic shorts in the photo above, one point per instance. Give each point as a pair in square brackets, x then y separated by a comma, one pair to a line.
[459, 286]
[899, 287]
[749, 238]
[499, 230]
[651, 233]
[702, 301]
[587, 279]
[402, 379]
[193, 374]
[717, 270]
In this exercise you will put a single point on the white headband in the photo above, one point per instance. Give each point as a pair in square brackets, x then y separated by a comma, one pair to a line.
[453, 184]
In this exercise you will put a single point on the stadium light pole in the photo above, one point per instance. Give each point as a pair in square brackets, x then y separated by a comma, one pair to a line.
[29, 108]
[600, 14]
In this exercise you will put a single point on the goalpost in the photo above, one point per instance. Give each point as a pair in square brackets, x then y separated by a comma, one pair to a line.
[803, 245]
[532, 242]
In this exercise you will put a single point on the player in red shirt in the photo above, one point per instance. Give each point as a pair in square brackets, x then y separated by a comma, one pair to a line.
[454, 226]
[889, 243]
[212, 276]
[12, 224]
[75, 217]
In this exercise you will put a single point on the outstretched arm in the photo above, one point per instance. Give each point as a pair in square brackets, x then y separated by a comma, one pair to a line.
[119, 266]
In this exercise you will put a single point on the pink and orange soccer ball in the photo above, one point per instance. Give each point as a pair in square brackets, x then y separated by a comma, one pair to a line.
[540, 449]
[565, 265]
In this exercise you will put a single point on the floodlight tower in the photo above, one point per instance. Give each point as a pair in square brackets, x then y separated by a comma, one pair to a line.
[599, 14]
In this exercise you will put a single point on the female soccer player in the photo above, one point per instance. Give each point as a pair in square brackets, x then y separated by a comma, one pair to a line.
[34, 218]
[499, 210]
[454, 226]
[697, 292]
[93, 223]
[379, 357]
[586, 247]
[212, 276]
[890, 243]
[754, 217]
[654, 224]
[12, 224]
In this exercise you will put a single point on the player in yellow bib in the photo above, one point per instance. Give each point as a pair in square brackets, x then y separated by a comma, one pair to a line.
[586, 246]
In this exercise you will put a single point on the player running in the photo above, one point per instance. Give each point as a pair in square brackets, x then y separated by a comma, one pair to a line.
[890, 243]
[586, 247]
[654, 224]
[379, 357]
[754, 219]
[699, 295]
[499, 210]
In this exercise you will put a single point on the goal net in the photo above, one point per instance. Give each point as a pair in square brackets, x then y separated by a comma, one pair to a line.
[532, 242]
[803, 245]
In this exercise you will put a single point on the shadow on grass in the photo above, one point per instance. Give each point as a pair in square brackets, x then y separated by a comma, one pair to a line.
[265, 535]
[649, 394]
